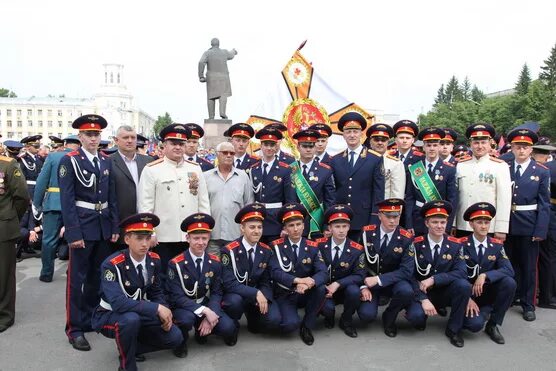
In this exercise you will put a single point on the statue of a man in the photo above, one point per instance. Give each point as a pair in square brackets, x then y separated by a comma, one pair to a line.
[218, 78]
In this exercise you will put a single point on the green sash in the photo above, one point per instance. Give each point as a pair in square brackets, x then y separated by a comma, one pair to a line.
[424, 182]
[307, 198]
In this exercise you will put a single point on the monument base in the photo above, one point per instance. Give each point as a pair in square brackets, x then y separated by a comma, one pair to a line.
[214, 132]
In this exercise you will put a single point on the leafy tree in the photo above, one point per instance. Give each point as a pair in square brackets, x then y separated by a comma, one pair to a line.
[548, 71]
[161, 122]
[466, 89]
[524, 80]
[6, 93]
[453, 92]
[477, 95]
[440, 96]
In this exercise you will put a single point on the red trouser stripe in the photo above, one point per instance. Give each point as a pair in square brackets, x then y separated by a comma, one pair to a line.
[68, 296]
[120, 348]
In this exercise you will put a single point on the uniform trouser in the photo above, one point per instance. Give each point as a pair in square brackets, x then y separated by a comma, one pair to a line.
[167, 251]
[51, 223]
[349, 296]
[235, 306]
[524, 253]
[288, 303]
[136, 334]
[401, 294]
[7, 283]
[493, 304]
[456, 295]
[83, 284]
[547, 267]
[186, 319]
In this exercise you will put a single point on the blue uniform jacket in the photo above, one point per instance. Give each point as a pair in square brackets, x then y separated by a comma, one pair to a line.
[444, 178]
[411, 157]
[325, 158]
[552, 167]
[48, 178]
[449, 266]
[350, 268]
[247, 162]
[309, 263]
[393, 264]
[277, 187]
[82, 223]
[182, 273]
[361, 187]
[495, 263]
[205, 164]
[30, 167]
[235, 268]
[532, 188]
[285, 157]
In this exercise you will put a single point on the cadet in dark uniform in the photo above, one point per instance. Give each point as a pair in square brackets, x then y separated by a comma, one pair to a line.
[271, 182]
[442, 175]
[318, 176]
[346, 269]
[30, 162]
[14, 201]
[547, 254]
[142, 144]
[194, 286]
[192, 145]
[281, 155]
[322, 142]
[389, 266]
[529, 217]
[246, 274]
[406, 131]
[13, 147]
[299, 274]
[90, 217]
[447, 145]
[240, 135]
[132, 308]
[489, 271]
[357, 174]
[440, 278]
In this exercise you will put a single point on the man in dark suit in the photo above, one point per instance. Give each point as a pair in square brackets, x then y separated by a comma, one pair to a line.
[126, 170]
[357, 174]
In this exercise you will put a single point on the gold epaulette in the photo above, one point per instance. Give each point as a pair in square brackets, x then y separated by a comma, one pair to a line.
[155, 162]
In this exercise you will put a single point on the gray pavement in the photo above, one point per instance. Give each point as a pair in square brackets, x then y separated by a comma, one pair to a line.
[37, 342]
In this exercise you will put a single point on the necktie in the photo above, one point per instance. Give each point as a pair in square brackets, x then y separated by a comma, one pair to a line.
[351, 159]
[430, 169]
[265, 166]
[294, 248]
[198, 261]
[251, 259]
[190, 158]
[402, 157]
[95, 163]
[140, 275]
[336, 254]
[384, 243]
[317, 159]
[481, 252]
[238, 163]
[304, 170]
[436, 252]
[518, 172]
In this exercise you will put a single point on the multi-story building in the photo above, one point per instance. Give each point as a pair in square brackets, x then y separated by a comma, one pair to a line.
[20, 117]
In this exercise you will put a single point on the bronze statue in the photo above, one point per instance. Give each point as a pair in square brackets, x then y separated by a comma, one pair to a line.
[218, 78]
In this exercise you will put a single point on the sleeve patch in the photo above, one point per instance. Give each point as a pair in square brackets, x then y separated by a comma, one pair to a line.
[109, 275]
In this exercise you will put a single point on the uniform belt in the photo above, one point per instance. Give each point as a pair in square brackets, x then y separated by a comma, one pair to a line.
[91, 206]
[553, 201]
[524, 207]
[31, 182]
[53, 189]
[274, 205]
[105, 305]
[419, 204]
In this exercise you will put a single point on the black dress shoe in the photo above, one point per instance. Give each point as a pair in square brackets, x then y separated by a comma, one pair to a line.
[547, 305]
[349, 330]
[80, 343]
[493, 332]
[529, 315]
[181, 351]
[252, 329]
[420, 327]
[140, 358]
[455, 339]
[45, 278]
[306, 335]
[391, 331]
[329, 322]
[232, 340]
[200, 339]
[442, 312]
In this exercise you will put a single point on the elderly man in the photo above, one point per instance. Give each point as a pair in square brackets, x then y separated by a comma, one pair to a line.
[229, 189]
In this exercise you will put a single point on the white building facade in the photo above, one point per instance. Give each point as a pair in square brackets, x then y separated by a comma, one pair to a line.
[20, 117]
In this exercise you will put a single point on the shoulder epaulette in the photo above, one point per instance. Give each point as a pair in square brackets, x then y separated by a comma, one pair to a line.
[214, 257]
[464, 239]
[311, 243]
[370, 227]
[254, 157]
[255, 164]
[283, 164]
[448, 163]
[232, 245]
[326, 166]
[419, 239]
[72, 153]
[496, 159]
[277, 241]
[355, 245]
[154, 255]
[155, 162]
[391, 157]
[322, 239]
[496, 240]
[343, 153]
[117, 259]
[264, 245]
[191, 162]
[178, 259]
[5, 158]
[454, 239]
[374, 152]
[406, 233]
[543, 166]
[465, 158]
[418, 153]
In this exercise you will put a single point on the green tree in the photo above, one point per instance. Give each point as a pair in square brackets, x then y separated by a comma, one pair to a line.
[6, 93]
[477, 95]
[161, 122]
[524, 80]
[453, 92]
[466, 89]
[440, 96]
[548, 71]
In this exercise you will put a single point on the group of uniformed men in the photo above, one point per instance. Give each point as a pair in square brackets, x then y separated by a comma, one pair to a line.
[324, 230]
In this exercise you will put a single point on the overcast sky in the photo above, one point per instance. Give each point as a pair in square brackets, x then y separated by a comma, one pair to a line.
[391, 56]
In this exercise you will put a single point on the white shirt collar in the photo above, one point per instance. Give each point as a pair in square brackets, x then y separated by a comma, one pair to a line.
[195, 257]
[523, 165]
[124, 157]
[136, 263]
[333, 246]
[356, 150]
[247, 246]
[298, 243]
[269, 164]
[432, 243]
[476, 242]
[308, 164]
[321, 156]
[239, 158]
[90, 156]
[382, 233]
[432, 163]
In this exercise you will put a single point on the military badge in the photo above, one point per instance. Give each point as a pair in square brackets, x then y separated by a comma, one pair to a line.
[304, 261]
[127, 283]
[503, 253]
[492, 257]
[225, 259]
[361, 261]
[171, 274]
[211, 274]
[308, 260]
[63, 171]
[448, 257]
[109, 276]
[342, 264]
[411, 251]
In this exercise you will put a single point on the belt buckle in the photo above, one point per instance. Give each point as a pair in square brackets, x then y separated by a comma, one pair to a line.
[514, 207]
[98, 207]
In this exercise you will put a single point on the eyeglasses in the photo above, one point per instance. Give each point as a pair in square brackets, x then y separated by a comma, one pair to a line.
[227, 153]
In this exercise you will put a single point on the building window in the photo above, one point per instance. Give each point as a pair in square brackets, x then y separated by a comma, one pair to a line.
[59, 113]
[79, 114]
[59, 124]
[49, 124]
[105, 77]
[39, 112]
[18, 112]
[59, 135]
[9, 123]
[40, 123]
[118, 78]
[19, 124]
[8, 112]
[69, 123]
[29, 112]
[30, 123]
[10, 134]
[111, 78]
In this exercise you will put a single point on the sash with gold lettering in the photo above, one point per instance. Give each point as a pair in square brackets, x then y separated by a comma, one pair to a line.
[308, 198]
[423, 182]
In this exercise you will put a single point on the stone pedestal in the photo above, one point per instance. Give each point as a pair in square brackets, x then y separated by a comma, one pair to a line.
[214, 132]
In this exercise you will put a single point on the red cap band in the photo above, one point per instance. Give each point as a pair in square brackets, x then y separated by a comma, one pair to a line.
[292, 214]
[241, 133]
[352, 125]
[198, 227]
[338, 216]
[391, 208]
[90, 126]
[431, 136]
[405, 129]
[522, 139]
[380, 133]
[480, 133]
[139, 227]
[269, 137]
[252, 215]
[436, 211]
[179, 136]
[480, 214]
